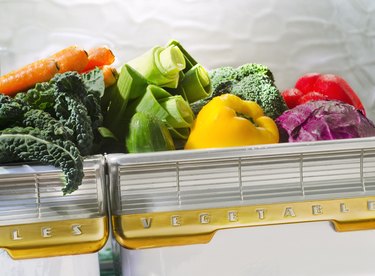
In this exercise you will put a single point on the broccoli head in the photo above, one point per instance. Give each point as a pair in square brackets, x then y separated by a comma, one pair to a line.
[250, 81]
[222, 75]
[248, 69]
[261, 89]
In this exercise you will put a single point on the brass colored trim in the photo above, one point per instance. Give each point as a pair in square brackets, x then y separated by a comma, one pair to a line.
[54, 238]
[184, 227]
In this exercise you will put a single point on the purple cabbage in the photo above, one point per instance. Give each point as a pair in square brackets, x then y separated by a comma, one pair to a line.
[323, 120]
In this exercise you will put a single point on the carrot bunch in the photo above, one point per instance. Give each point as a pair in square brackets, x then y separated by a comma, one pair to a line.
[102, 57]
[72, 58]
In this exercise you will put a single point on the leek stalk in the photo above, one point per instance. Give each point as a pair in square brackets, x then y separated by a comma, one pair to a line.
[160, 65]
[129, 85]
[180, 114]
[196, 84]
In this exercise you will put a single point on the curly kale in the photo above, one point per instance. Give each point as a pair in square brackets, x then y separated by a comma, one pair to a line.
[51, 127]
[32, 144]
[42, 97]
[15, 113]
[74, 100]
[74, 85]
[53, 123]
[73, 115]
[251, 81]
[10, 110]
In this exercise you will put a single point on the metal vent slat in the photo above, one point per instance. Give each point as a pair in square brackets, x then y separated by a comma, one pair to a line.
[248, 175]
[32, 193]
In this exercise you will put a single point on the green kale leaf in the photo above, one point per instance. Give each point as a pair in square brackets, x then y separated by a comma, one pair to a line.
[32, 144]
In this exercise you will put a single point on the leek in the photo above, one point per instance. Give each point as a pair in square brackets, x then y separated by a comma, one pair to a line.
[160, 65]
[196, 84]
[190, 61]
[129, 85]
[147, 133]
[149, 103]
[180, 114]
[159, 84]
[179, 134]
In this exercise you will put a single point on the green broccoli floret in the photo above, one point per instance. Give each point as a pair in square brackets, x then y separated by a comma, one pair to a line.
[222, 75]
[251, 81]
[253, 68]
[260, 89]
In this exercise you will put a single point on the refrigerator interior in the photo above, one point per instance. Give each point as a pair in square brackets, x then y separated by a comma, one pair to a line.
[290, 37]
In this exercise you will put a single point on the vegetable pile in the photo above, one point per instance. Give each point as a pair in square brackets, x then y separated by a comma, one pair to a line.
[74, 103]
[53, 116]
[53, 123]
[148, 109]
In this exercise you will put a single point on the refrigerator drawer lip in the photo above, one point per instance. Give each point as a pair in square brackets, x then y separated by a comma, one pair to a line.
[184, 197]
[243, 151]
[175, 180]
[54, 238]
[198, 226]
[31, 193]
[37, 220]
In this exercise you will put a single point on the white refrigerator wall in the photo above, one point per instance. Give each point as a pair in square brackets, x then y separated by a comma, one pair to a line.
[291, 37]
[303, 249]
[78, 265]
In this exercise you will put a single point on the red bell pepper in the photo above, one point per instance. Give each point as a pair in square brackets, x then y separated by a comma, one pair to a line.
[315, 86]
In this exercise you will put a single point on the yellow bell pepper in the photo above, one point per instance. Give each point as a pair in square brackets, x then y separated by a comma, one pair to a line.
[229, 121]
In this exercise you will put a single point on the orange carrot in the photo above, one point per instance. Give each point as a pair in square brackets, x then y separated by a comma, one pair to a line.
[26, 77]
[110, 75]
[71, 58]
[99, 56]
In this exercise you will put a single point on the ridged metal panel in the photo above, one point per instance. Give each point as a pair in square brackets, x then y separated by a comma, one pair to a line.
[32, 193]
[242, 176]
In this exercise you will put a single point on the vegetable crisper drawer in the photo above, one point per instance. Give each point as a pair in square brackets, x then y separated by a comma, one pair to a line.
[36, 220]
[184, 197]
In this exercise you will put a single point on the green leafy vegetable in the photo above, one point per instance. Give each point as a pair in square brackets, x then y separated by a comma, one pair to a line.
[76, 86]
[32, 144]
[10, 110]
[54, 123]
[66, 98]
[52, 128]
